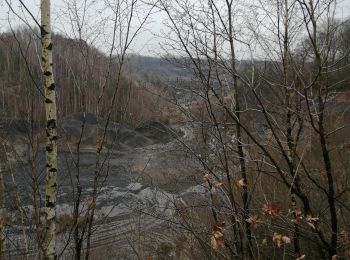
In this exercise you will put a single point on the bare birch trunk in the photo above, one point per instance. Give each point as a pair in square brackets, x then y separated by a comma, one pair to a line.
[51, 133]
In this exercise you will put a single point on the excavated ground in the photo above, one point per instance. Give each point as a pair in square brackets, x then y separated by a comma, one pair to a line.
[144, 172]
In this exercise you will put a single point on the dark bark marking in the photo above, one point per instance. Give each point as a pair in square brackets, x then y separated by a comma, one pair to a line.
[47, 73]
[52, 86]
[43, 32]
[49, 148]
[51, 123]
[50, 204]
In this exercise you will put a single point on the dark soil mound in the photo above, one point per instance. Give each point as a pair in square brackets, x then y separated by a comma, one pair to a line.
[118, 136]
[157, 132]
[88, 118]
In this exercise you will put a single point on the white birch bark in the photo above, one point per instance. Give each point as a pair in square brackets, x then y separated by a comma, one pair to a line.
[51, 133]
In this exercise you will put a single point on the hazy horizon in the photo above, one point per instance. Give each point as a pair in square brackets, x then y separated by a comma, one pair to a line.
[96, 29]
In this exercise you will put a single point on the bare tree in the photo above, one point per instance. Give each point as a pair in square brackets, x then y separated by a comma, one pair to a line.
[273, 92]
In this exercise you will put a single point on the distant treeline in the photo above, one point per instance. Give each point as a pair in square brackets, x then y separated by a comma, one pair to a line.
[81, 73]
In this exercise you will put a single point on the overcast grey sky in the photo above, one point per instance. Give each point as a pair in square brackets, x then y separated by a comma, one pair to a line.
[147, 42]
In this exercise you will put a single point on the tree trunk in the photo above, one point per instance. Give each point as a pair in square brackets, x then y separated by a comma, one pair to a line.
[51, 133]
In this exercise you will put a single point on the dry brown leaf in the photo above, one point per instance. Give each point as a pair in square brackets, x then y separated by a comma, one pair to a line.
[220, 242]
[243, 183]
[206, 177]
[216, 239]
[344, 238]
[277, 238]
[213, 243]
[219, 227]
[217, 234]
[280, 239]
[311, 221]
[298, 215]
[286, 239]
[309, 218]
[217, 184]
[272, 209]
[254, 220]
